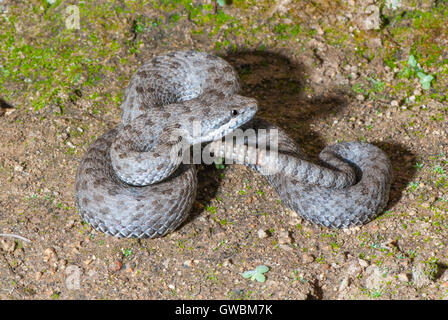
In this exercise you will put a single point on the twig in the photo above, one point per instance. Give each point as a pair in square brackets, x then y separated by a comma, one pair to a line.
[10, 235]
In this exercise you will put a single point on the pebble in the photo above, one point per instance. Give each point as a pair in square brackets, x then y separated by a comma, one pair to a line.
[285, 247]
[307, 258]
[116, 266]
[188, 263]
[262, 234]
[421, 274]
[403, 277]
[363, 263]
[8, 245]
[38, 275]
[70, 224]
[49, 253]
[344, 284]
[394, 103]
[284, 237]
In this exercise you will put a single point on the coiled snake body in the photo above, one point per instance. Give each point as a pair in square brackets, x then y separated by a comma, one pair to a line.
[129, 184]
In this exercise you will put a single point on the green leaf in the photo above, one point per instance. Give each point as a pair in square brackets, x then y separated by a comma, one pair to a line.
[248, 274]
[426, 82]
[421, 75]
[260, 277]
[222, 3]
[412, 62]
[261, 269]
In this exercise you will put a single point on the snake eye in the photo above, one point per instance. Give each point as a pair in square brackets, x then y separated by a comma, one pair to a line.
[234, 113]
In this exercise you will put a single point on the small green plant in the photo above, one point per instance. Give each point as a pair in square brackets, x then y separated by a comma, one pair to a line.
[219, 165]
[375, 294]
[413, 186]
[256, 274]
[438, 169]
[418, 165]
[431, 268]
[413, 69]
[211, 209]
[126, 252]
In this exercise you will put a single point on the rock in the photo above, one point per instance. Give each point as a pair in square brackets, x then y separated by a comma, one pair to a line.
[377, 278]
[284, 237]
[227, 262]
[38, 275]
[403, 277]
[49, 254]
[363, 263]
[262, 234]
[307, 258]
[423, 273]
[115, 266]
[70, 224]
[353, 269]
[285, 247]
[344, 284]
[371, 20]
[8, 245]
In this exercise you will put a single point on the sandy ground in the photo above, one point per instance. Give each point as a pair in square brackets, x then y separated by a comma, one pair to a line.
[337, 77]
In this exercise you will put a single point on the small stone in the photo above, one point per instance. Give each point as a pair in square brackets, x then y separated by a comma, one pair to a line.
[376, 278]
[325, 267]
[285, 247]
[344, 284]
[403, 277]
[171, 286]
[360, 97]
[8, 245]
[394, 103]
[62, 264]
[116, 266]
[49, 253]
[307, 258]
[38, 275]
[70, 224]
[227, 262]
[284, 237]
[353, 269]
[262, 234]
[188, 263]
[424, 273]
[363, 263]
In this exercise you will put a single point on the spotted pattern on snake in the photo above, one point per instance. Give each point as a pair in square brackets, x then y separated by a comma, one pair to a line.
[317, 192]
[129, 185]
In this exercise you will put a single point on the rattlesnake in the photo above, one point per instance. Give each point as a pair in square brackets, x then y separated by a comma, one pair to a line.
[129, 184]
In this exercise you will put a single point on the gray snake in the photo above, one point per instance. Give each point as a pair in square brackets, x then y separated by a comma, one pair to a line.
[132, 183]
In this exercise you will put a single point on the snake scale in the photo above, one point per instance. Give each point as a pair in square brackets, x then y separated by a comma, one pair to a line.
[129, 184]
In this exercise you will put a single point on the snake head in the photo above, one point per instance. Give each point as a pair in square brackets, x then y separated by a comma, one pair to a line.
[222, 117]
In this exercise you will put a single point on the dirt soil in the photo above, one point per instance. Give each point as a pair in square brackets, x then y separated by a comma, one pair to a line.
[326, 72]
